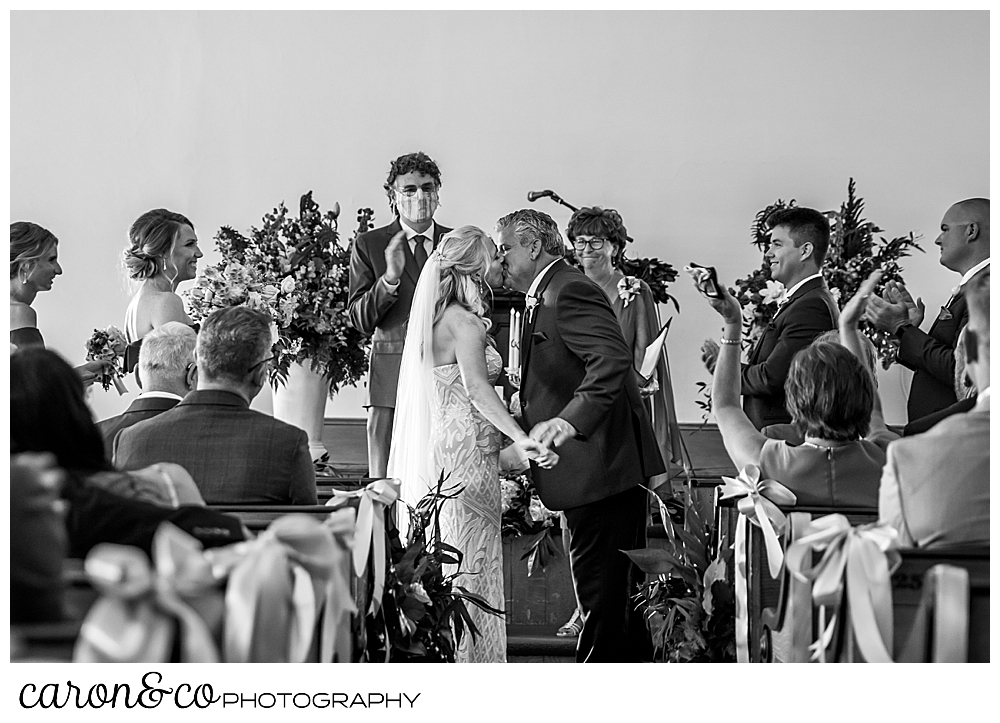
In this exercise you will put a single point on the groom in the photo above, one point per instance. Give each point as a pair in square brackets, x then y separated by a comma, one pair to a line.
[578, 394]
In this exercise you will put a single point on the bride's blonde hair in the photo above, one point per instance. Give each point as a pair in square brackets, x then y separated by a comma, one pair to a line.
[464, 260]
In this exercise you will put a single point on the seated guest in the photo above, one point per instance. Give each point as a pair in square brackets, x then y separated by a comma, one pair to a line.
[936, 485]
[236, 455]
[167, 372]
[879, 433]
[829, 394]
[37, 539]
[48, 414]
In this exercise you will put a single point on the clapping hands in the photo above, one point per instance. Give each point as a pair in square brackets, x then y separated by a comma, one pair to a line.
[894, 308]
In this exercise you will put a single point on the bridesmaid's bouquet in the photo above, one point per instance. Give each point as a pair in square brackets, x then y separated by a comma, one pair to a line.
[524, 514]
[109, 345]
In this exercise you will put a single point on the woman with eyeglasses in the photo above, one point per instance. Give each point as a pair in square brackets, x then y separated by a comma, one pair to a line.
[34, 265]
[599, 237]
[162, 252]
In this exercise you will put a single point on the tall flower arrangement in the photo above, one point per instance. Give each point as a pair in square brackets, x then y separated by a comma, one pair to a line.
[297, 271]
[856, 249]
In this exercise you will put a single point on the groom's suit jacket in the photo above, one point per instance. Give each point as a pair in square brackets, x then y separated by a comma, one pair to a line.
[576, 365]
[375, 309]
[808, 313]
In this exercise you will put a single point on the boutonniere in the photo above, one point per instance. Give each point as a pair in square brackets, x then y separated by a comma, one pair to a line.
[628, 287]
[530, 302]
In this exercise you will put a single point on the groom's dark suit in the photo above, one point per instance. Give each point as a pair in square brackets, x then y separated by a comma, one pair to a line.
[577, 366]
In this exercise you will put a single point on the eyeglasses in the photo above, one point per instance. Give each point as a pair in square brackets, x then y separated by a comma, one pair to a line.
[262, 361]
[595, 243]
[410, 191]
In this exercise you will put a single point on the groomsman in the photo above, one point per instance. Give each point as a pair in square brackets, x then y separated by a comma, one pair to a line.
[578, 394]
[800, 238]
[965, 249]
[385, 265]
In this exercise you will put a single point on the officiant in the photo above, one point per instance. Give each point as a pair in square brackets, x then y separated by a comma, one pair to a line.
[385, 266]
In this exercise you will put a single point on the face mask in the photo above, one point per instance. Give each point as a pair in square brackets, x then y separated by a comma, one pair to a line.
[418, 208]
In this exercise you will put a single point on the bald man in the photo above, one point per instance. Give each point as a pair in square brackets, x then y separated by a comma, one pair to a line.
[965, 249]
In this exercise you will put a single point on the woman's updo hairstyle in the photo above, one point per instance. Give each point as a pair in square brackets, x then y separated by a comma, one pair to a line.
[600, 222]
[464, 261]
[29, 242]
[151, 240]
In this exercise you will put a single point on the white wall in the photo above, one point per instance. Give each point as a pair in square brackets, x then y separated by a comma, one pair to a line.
[688, 123]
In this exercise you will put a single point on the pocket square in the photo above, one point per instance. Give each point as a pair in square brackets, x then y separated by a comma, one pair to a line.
[945, 314]
[539, 336]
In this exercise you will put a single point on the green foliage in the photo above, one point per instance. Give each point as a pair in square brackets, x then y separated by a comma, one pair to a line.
[524, 514]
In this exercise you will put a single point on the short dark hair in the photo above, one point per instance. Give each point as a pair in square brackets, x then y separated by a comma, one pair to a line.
[602, 222]
[29, 242]
[151, 238]
[49, 413]
[530, 225]
[231, 342]
[830, 393]
[418, 162]
[804, 225]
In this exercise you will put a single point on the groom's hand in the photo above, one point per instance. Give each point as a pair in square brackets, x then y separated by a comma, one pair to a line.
[553, 432]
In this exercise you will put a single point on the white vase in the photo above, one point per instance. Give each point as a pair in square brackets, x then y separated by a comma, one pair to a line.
[301, 401]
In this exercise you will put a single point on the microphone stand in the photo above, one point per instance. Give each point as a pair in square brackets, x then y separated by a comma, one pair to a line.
[555, 197]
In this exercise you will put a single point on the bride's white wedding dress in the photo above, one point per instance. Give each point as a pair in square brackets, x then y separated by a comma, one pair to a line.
[437, 429]
[466, 446]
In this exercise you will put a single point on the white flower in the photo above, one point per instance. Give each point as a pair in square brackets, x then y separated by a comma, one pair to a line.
[835, 293]
[537, 510]
[269, 292]
[774, 291]
[628, 287]
[288, 284]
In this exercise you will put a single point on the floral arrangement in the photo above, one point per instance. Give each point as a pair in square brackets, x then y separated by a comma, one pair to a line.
[109, 345]
[424, 614]
[296, 270]
[853, 254]
[689, 606]
[524, 514]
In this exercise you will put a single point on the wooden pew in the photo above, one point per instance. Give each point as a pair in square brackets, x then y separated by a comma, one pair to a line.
[258, 517]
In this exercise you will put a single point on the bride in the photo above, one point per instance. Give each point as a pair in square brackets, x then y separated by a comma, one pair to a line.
[449, 419]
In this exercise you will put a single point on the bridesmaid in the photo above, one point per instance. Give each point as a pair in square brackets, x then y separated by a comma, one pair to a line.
[163, 251]
[34, 265]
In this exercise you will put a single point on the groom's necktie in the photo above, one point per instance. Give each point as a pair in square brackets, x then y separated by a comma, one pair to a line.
[420, 251]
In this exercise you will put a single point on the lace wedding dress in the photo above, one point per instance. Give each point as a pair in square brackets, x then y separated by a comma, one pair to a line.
[467, 447]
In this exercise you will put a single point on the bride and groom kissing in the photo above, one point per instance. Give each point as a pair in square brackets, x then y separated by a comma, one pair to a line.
[582, 424]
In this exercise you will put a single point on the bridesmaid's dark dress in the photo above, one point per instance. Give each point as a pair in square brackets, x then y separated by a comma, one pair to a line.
[26, 336]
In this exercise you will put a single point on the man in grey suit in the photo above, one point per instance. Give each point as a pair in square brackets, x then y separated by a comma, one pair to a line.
[385, 265]
[935, 486]
[236, 455]
[167, 372]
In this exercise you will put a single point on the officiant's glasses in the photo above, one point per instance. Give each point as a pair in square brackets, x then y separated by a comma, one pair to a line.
[595, 243]
[410, 191]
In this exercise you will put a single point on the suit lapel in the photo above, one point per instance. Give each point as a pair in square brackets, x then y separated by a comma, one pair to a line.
[529, 328]
[799, 293]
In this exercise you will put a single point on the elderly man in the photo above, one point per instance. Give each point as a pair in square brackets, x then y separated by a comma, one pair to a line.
[385, 265]
[578, 393]
[236, 455]
[935, 487]
[167, 372]
[800, 238]
[965, 249]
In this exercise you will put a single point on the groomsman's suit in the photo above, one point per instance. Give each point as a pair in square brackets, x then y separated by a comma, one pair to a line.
[931, 356]
[235, 454]
[577, 366]
[383, 311]
[144, 407]
[809, 312]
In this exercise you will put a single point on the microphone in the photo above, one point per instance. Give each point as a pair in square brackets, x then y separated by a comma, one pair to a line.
[535, 195]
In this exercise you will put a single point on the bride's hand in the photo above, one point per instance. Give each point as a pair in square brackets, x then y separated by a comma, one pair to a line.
[539, 453]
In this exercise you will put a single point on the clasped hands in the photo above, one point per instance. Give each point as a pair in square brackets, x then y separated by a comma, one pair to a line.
[544, 438]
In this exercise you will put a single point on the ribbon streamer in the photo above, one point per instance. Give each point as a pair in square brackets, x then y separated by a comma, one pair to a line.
[758, 505]
[134, 619]
[370, 532]
[863, 557]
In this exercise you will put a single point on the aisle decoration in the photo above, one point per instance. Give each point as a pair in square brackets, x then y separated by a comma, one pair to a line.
[424, 613]
[689, 605]
[523, 514]
[757, 504]
[856, 249]
[109, 344]
[860, 559]
[297, 271]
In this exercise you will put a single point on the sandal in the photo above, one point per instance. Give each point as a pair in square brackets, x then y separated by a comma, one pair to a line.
[573, 626]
